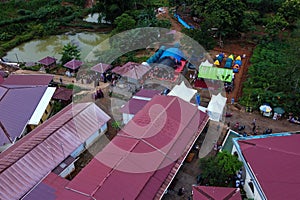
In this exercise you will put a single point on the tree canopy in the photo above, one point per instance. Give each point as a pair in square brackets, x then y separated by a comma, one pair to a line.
[216, 170]
[69, 52]
[274, 75]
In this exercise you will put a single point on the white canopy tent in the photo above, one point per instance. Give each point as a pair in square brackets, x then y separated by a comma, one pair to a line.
[206, 63]
[216, 106]
[183, 92]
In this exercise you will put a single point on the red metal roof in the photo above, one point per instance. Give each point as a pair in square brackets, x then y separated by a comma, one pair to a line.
[133, 106]
[135, 165]
[138, 101]
[211, 192]
[17, 80]
[147, 93]
[28, 161]
[275, 163]
[47, 61]
[62, 93]
[101, 67]
[73, 64]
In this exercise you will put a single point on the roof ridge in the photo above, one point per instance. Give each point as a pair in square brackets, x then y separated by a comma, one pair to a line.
[204, 193]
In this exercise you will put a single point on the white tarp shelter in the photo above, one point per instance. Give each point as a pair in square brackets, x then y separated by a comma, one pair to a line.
[216, 107]
[206, 63]
[183, 92]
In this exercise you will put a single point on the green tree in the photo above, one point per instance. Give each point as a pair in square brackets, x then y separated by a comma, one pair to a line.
[216, 170]
[123, 23]
[203, 37]
[290, 10]
[116, 125]
[69, 52]
[225, 16]
[277, 24]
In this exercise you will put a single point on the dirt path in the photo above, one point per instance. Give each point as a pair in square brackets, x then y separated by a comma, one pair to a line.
[245, 118]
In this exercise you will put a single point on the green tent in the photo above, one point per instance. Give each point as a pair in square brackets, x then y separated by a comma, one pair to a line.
[215, 73]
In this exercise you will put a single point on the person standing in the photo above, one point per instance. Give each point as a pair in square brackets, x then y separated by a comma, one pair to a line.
[254, 122]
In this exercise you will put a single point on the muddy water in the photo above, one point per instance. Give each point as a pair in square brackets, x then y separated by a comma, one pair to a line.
[35, 50]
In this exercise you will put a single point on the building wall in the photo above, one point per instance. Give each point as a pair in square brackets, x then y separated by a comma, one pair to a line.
[95, 136]
[250, 194]
[89, 141]
[127, 117]
[44, 116]
[68, 170]
[78, 151]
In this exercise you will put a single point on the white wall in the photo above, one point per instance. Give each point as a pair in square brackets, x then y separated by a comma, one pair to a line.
[254, 195]
[68, 170]
[127, 117]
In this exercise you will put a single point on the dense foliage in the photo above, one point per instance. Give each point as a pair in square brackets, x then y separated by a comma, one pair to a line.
[218, 169]
[274, 76]
[21, 21]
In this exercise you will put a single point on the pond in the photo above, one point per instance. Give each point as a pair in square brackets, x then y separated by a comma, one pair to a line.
[36, 50]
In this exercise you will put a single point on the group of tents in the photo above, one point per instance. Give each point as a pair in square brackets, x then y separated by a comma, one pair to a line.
[230, 63]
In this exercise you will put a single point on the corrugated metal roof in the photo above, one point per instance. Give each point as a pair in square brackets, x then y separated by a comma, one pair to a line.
[3, 90]
[133, 106]
[73, 64]
[275, 163]
[16, 80]
[34, 156]
[62, 93]
[148, 175]
[47, 60]
[211, 192]
[131, 70]
[146, 93]
[101, 67]
[17, 107]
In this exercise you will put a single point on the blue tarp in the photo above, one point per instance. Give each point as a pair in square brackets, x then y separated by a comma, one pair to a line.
[156, 56]
[183, 22]
[198, 99]
[173, 52]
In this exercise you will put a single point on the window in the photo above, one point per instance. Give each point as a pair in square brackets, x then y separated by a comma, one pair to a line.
[251, 186]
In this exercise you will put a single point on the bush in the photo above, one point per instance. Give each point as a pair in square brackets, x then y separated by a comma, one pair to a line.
[75, 88]
[32, 68]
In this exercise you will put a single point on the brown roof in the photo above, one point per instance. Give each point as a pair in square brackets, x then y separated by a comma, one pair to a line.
[47, 61]
[27, 80]
[101, 67]
[132, 70]
[62, 93]
[73, 64]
